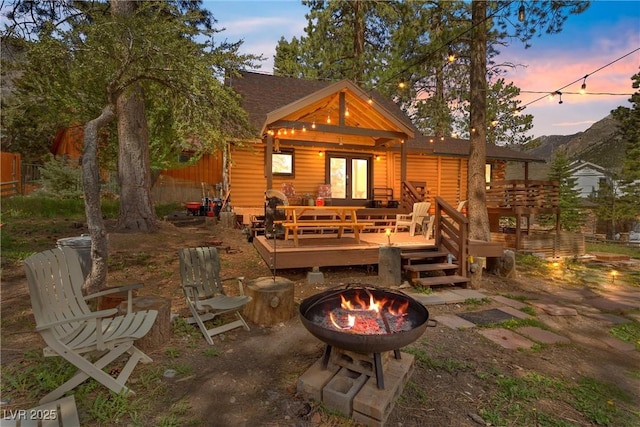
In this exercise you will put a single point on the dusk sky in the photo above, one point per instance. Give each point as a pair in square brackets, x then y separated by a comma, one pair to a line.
[607, 31]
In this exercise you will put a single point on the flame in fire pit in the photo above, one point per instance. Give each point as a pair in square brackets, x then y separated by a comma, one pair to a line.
[378, 316]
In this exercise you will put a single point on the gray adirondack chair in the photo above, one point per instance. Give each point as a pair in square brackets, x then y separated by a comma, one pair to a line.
[204, 291]
[72, 331]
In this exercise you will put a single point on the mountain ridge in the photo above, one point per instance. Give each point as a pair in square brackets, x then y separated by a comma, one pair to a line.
[599, 144]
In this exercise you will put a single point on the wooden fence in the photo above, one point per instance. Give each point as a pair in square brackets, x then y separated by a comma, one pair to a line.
[10, 175]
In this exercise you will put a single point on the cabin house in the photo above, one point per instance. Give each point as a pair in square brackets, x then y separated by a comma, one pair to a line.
[317, 135]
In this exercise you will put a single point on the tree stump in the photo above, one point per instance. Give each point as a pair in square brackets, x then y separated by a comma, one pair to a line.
[272, 300]
[228, 219]
[160, 332]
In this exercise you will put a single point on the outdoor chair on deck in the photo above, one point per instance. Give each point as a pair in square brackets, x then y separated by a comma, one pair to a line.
[71, 330]
[416, 217]
[204, 292]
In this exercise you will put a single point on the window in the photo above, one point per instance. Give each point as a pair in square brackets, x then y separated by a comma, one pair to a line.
[185, 157]
[282, 163]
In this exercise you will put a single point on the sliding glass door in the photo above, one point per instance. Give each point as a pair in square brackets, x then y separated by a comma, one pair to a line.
[350, 178]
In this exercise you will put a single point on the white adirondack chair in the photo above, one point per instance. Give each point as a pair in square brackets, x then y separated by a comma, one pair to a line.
[419, 213]
[71, 330]
[204, 292]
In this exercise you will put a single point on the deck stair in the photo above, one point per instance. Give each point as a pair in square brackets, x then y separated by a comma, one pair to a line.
[432, 267]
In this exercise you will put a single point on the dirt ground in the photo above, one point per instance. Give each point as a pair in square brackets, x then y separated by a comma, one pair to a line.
[250, 379]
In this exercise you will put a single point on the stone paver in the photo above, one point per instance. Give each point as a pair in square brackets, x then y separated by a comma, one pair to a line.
[515, 313]
[450, 297]
[606, 304]
[542, 336]
[424, 299]
[509, 302]
[572, 295]
[618, 344]
[506, 338]
[469, 293]
[556, 310]
[606, 317]
[453, 321]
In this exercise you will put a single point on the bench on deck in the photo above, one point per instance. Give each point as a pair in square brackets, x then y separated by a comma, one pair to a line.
[295, 226]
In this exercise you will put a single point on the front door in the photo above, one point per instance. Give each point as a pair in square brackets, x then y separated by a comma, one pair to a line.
[350, 178]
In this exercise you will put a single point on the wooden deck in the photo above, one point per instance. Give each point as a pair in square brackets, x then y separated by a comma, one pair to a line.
[326, 250]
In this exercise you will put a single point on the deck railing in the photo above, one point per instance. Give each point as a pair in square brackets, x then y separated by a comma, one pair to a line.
[519, 194]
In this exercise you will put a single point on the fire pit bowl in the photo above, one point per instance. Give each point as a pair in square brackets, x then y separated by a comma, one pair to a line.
[314, 312]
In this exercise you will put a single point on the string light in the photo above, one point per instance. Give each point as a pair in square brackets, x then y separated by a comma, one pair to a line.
[452, 56]
[582, 78]
[521, 16]
[583, 88]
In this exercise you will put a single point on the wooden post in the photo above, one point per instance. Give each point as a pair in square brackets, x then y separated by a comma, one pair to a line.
[160, 332]
[272, 300]
[389, 266]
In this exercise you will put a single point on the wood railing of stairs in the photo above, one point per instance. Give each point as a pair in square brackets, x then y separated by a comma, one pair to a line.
[412, 192]
[446, 263]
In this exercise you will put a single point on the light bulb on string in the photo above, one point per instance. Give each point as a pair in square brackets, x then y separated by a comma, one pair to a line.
[521, 16]
[583, 88]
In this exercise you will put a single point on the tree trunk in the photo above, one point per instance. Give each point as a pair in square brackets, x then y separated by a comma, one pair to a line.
[134, 171]
[97, 279]
[134, 167]
[476, 181]
[358, 41]
[477, 211]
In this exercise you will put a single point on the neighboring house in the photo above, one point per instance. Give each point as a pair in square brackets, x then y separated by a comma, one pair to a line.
[589, 177]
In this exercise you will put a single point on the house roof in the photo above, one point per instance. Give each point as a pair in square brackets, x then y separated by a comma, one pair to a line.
[277, 101]
[584, 165]
[448, 146]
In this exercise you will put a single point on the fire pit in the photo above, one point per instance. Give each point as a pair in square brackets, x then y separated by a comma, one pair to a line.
[364, 319]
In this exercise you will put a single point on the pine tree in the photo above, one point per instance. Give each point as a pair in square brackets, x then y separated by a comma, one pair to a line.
[571, 217]
[629, 131]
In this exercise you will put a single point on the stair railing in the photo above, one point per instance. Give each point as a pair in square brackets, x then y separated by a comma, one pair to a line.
[412, 192]
[451, 231]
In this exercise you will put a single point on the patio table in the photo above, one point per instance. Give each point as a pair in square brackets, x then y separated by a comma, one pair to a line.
[343, 217]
